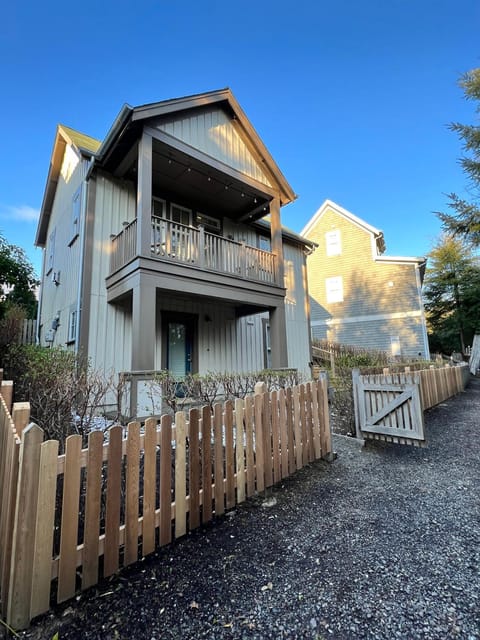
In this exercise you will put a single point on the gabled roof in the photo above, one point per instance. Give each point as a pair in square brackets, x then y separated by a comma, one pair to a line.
[85, 146]
[329, 204]
[129, 116]
[127, 124]
[377, 235]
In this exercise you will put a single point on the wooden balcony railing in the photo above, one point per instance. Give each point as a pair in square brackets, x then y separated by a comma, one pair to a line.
[194, 246]
[124, 246]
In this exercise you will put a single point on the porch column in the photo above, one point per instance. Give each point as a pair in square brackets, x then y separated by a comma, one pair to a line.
[143, 325]
[276, 238]
[144, 195]
[278, 337]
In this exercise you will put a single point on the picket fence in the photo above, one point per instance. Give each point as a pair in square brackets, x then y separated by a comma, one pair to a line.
[68, 520]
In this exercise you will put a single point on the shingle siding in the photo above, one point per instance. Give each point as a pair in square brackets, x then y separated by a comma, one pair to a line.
[372, 287]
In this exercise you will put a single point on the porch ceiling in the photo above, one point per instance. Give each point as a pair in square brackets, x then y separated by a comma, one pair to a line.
[192, 182]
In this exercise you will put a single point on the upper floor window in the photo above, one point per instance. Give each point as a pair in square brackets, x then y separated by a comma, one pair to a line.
[76, 207]
[179, 214]
[51, 251]
[72, 326]
[159, 207]
[333, 243]
[334, 289]
[264, 243]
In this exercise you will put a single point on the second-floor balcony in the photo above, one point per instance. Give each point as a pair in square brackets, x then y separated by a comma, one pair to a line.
[195, 247]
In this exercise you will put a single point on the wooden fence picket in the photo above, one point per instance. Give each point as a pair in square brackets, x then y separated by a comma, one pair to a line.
[292, 467]
[297, 420]
[282, 418]
[240, 449]
[112, 510]
[274, 406]
[67, 568]
[149, 486]
[207, 464]
[194, 470]
[218, 436]
[92, 509]
[23, 548]
[259, 443]
[132, 493]
[229, 455]
[180, 475]
[267, 439]
[44, 528]
[249, 445]
[165, 534]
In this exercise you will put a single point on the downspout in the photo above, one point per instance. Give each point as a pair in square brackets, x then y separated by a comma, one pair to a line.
[40, 296]
[83, 225]
[422, 310]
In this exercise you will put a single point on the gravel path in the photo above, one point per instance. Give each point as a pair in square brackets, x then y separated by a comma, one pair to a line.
[382, 543]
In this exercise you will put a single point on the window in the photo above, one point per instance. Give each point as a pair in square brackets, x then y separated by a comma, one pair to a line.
[158, 207]
[334, 288]
[51, 251]
[72, 326]
[395, 346]
[76, 206]
[212, 225]
[333, 243]
[179, 214]
[264, 243]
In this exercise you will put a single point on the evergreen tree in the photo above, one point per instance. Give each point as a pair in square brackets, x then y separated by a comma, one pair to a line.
[465, 219]
[452, 295]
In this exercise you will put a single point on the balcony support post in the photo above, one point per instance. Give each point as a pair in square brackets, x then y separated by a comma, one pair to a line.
[143, 324]
[144, 195]
[278, 337]
[276, 239]
[201, 246]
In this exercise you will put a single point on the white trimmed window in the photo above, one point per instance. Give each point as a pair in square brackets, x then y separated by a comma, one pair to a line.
[334, 289]
[395, 346]
[72, 326]
[51, 251]
[180, 214]
[333, 243]
[159, 207]
[76, 206]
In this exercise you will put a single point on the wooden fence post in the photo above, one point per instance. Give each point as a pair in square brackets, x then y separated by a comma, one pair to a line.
[20, 416]
[21, 573]
[6, 391]
[355, 382]
[326, 437]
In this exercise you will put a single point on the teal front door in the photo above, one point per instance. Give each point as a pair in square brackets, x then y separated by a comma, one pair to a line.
[178, 343]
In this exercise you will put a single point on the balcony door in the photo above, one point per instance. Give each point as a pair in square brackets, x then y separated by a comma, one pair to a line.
[179, 344]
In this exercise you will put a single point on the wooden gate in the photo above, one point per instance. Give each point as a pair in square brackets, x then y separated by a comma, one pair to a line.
[388, 407]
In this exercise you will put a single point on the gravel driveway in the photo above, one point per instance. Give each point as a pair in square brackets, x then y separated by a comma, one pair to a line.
[382, 543]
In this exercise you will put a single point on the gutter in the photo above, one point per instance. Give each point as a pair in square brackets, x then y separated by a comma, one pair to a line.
[115, 130]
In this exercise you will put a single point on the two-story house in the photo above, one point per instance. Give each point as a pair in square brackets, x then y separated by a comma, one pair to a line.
[359, 295]
[155, 252]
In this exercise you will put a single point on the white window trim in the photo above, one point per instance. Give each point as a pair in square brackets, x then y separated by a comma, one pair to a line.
[334, 289]
[76, 213]
[182, 209]
[164, 203]
[333, 243]
[72, 326]
[395, 346]
[51, 251]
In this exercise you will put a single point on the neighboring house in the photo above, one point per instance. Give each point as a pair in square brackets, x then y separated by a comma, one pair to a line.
[155, 254]
[358, 296]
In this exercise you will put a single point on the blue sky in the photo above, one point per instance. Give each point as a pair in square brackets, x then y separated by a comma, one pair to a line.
[352, 97]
